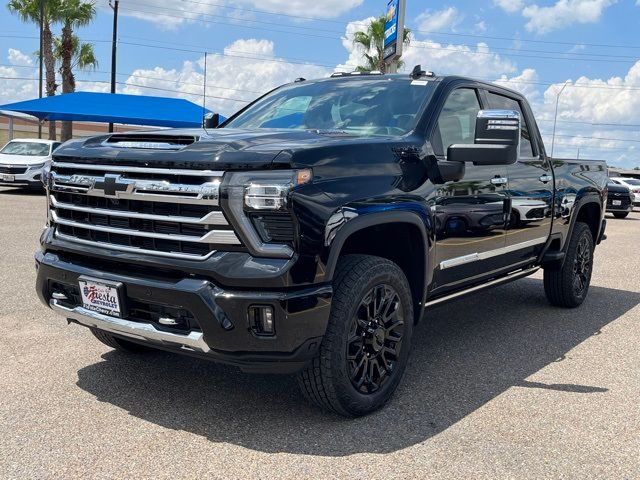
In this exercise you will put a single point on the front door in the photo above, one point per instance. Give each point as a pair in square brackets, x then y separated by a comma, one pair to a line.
[470, 214]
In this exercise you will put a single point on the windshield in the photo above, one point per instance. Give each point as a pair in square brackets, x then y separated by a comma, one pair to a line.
[380, 106]
[632, 181]
[30, 149]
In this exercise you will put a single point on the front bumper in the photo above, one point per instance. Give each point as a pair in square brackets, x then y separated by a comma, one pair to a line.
[219, 328]
[31, 178]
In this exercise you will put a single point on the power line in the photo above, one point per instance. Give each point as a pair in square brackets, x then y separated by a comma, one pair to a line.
[429, 32]
[194, 18]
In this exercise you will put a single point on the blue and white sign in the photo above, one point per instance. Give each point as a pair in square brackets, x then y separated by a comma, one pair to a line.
[391, 23]
[394, 30]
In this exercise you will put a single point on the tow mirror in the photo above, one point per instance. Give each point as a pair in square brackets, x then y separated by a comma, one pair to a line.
[497, 140]
[211, 120]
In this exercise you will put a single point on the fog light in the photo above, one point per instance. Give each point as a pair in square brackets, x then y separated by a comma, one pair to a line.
[261, 319]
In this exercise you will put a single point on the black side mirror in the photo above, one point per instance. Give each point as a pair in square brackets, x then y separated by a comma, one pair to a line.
[497, 140]
[211, 120]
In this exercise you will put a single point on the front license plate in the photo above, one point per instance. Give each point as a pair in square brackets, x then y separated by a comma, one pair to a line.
[7, 178]
[617, 203]
[101, 296]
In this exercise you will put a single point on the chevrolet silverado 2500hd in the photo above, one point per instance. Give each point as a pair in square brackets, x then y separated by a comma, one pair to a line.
[312, 230]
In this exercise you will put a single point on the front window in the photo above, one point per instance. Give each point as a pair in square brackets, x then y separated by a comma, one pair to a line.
[27, 149]
[632, 181]
[380, 106]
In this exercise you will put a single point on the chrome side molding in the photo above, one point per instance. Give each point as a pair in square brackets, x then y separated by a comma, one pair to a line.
[474, 257]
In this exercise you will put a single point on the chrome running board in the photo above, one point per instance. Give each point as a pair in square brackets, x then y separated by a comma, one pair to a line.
[493, 283]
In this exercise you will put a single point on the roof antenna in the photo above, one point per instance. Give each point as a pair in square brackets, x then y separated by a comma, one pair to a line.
[417, 72]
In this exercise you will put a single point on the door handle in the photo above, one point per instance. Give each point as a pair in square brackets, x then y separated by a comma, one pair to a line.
[545, 178]
[499, 180]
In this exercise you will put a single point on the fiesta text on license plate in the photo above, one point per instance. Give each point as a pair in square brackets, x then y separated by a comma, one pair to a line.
[100, 296]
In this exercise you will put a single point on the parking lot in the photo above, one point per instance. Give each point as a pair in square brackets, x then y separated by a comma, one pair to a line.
[500, 385]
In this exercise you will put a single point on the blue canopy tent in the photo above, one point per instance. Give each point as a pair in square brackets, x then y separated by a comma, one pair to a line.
[114, 108]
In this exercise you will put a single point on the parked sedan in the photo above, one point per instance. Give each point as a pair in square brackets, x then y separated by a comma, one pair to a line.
[619, 201]
[22, 161]
[632, 184]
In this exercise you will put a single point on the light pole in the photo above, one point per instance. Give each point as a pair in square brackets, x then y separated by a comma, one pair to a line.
[40, 61]
[555, 118]
[114, 43]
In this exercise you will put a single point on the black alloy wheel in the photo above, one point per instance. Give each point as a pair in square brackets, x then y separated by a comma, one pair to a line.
[582, 266]
[567, 284]
[375, 339]
[366, 347]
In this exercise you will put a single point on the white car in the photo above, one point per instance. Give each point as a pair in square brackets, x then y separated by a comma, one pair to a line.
[633, 184]
[22, 161]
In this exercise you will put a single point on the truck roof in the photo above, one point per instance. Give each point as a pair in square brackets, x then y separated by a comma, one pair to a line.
[431, 77]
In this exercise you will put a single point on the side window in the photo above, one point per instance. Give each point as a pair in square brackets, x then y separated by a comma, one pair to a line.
[457, 121]
[500, 102]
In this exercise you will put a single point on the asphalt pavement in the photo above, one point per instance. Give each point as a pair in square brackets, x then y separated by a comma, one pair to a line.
[500, 385]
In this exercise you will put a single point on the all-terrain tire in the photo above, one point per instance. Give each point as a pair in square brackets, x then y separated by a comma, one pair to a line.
[567, 286]
[118, 343]
[328, 379]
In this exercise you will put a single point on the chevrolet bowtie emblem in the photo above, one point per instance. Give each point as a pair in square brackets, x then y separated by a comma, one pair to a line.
[112, 185]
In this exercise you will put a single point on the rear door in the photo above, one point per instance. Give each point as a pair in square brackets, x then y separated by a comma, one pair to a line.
[530, 186]
[469, 213]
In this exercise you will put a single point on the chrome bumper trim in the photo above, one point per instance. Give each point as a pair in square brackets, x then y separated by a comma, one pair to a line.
[194, 341]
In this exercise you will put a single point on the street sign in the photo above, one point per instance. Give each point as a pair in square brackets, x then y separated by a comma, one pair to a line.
[394, 30]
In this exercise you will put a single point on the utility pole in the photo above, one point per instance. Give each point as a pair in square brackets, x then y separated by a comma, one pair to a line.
[114, 44]
[40, 60]
[555, 118]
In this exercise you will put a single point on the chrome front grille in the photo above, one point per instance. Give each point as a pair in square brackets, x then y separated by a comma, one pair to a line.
[165, 212]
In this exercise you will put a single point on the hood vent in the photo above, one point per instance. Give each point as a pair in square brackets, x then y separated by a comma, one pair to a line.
[151, 142]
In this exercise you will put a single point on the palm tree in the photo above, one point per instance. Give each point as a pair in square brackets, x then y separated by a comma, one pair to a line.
[372, 42]
[29, 11]
[73, 14]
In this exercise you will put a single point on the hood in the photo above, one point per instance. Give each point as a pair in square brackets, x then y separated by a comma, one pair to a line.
[21, 159]
[612, 187]
[222, 149]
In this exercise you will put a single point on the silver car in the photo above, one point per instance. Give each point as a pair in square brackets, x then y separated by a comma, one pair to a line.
[22, 161]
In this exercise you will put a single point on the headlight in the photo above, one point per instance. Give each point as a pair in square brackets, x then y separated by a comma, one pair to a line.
[270, 189]
[37, 166]
[261, 191]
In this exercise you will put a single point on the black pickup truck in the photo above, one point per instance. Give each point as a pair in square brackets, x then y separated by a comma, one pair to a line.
[310, 232]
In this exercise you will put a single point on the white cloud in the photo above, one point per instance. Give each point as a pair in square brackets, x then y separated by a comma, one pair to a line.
[564, 13]
[509, 6]
[17, 83]
[16, 57]
[169, 14]
[478, 61]
[249, 68]
[480, 27]
[524, 83]
[591, 115]
[305, 8]
[438, 21]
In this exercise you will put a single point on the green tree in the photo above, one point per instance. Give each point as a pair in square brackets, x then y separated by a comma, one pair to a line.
[70, 51]
[29, 11]
[371, 41]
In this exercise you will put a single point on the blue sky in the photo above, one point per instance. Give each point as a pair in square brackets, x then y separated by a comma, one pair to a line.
[531, 45]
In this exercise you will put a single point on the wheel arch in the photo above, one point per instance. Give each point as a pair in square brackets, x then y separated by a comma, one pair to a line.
[399, 236]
